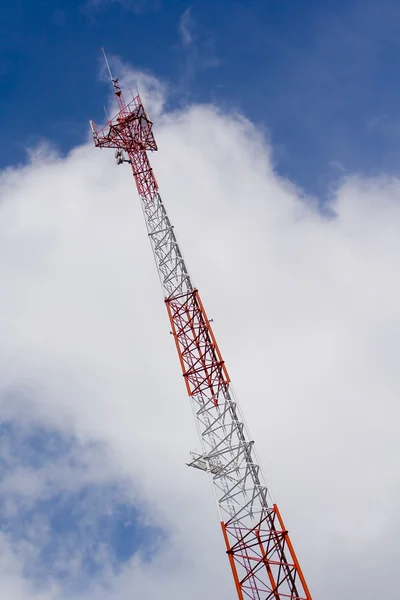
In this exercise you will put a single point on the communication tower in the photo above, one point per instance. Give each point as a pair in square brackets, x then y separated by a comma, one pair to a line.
[261, 556]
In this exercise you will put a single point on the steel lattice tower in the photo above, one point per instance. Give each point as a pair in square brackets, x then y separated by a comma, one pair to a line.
[261, 555]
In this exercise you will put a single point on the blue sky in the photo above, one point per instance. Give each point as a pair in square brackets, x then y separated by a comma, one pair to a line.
[77, 527]
[321, 78]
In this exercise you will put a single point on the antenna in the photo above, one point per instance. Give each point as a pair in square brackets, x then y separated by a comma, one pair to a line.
[117, 89]
[107, 65]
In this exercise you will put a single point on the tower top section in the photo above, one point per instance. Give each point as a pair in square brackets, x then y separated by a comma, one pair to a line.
[130, 131]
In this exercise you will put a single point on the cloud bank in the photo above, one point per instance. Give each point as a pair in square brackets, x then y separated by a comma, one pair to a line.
[306, 307]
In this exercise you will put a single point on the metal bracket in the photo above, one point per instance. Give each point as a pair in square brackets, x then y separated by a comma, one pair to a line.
[202, 462]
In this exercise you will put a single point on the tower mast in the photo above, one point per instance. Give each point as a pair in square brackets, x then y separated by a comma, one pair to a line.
[260, 553]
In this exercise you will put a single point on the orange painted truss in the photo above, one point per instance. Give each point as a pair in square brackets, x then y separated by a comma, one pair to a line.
[202, 365]
[264, 548]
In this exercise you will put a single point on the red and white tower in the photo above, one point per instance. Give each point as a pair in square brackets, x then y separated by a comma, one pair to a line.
[260, 553]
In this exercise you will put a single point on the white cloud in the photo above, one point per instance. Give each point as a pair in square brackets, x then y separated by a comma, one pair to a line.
[307, 312]
[136, 6]
[198, 50]
[186, 27]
